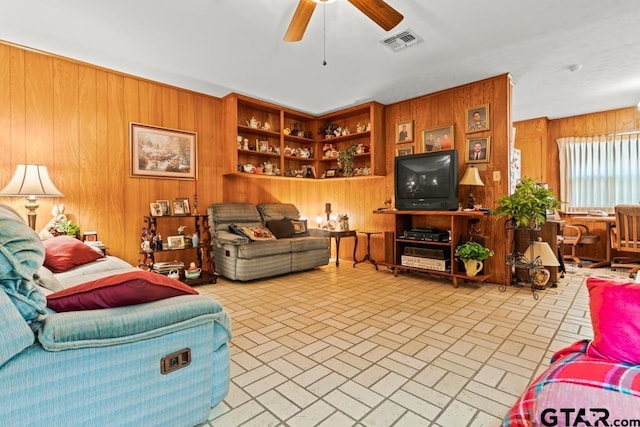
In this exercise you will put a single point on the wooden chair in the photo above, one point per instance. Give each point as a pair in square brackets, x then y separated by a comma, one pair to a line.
[575, 235]
[625, 237]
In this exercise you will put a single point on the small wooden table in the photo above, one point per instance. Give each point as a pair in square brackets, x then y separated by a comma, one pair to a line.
[337, 235]
[610, 221]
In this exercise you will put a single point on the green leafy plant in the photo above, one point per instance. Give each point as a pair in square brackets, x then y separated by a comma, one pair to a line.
[528, 205]
[473, 251]
[345, 159]
[66, 227]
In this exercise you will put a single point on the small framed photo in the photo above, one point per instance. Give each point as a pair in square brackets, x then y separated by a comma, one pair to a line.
[164, 205]
[407, 151]
[186, 207]
[175, 242]
[404, 132]
[177, 207]
[478, 150]
[437, 139]
[90, 236]
[156, 209]
[478, 118]
[331, 173]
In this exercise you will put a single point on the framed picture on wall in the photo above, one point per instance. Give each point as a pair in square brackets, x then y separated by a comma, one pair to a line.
[404, 132]
[436, 139]
[478, 118]
[406, 151]
[162, 153]
[478, 150]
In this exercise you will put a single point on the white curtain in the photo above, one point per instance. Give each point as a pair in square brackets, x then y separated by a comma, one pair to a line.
[599, 172]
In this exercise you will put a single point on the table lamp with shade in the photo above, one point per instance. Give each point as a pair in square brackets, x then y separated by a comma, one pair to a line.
[540, 253]
[31, 181]
[471, 178]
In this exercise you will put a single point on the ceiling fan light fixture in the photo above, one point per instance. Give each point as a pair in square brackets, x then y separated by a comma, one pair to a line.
[323, 1]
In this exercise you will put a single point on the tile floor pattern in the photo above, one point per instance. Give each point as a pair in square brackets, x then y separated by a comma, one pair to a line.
[356, 347]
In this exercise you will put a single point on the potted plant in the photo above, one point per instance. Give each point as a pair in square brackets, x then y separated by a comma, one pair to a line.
[472, 254]
[65, 227]
[345, 159]
[528, 205]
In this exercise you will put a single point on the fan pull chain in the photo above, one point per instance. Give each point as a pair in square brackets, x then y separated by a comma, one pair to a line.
[324, 33]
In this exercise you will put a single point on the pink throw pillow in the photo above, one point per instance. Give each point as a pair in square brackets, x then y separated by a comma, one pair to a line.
[614, 317]
[135, 287]
[63, 253]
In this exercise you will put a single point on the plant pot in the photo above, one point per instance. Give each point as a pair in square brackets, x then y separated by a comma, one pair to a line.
[472, 267]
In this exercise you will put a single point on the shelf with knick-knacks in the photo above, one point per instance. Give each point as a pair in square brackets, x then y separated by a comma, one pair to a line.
[292, 142]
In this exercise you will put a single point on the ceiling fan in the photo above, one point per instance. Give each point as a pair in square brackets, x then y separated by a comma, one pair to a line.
[377, 10]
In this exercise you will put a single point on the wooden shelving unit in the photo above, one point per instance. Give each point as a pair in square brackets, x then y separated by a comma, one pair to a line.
[456, 222]
[203, 249]
[292, 142]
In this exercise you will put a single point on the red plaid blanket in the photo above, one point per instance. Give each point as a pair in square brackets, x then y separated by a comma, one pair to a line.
[572, 365]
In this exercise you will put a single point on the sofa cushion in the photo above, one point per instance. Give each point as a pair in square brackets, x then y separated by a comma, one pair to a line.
[15, 334]
[264, 248]
[300, 227]
[118, 290]
[281, 228]
[45, 278]
[614, 316]
[242, 214]
[270, 211]
[63, 253]
[300, 244]
[258, 233]
[21, 255]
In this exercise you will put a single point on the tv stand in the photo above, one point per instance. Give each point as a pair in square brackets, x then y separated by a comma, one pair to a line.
[447, 266]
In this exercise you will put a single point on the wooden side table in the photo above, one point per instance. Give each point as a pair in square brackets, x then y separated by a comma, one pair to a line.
[337, 235]
[367, 255]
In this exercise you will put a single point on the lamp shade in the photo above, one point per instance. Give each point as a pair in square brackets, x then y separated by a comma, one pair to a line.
[31, 180]
[541, 250]
[471, 177]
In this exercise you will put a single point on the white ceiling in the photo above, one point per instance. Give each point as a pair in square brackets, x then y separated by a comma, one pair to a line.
[220, 46]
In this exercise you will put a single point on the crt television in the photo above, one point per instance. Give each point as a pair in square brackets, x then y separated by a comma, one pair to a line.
[427, 181]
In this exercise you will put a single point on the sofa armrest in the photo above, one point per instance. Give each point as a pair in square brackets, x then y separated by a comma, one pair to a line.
[221, 237]
[318, 232]
[15, 333]
[113, 326]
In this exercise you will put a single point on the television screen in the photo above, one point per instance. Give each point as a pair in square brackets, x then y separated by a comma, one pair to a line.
[427, 181]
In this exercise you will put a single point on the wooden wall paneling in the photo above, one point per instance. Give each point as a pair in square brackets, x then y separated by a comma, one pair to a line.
[102, 167]
[6, 169]
[135, 200]
[117, 159]
[65, 147]
[89, 206]
[39, 108]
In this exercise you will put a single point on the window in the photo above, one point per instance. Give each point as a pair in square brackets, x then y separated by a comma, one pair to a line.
[599, 172]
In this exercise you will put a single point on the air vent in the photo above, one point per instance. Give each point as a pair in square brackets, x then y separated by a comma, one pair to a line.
[401, 40]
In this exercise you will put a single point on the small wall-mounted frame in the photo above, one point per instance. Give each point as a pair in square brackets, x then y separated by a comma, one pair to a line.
[437, 139]
[162, 153]
[404, 132]
[478, 150]
[175, 242]
[478, 118]
[155, 209]
[405, 151]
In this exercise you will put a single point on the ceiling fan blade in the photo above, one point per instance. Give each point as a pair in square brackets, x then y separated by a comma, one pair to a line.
[379, 12]
[300, 20]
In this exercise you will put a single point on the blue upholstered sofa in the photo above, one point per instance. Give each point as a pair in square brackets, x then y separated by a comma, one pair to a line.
[103, 366]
